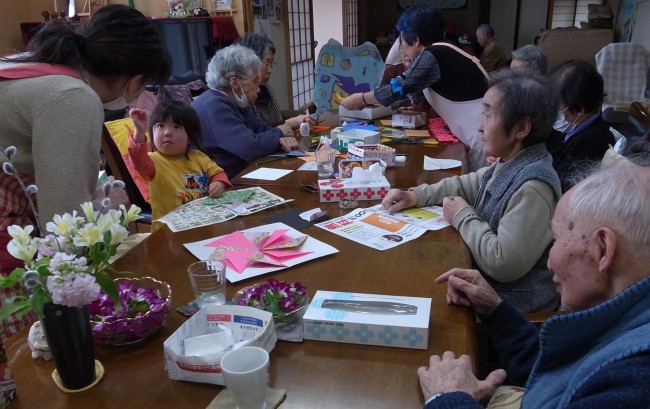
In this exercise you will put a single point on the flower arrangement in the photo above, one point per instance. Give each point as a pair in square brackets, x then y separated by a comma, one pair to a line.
[69, 265]
[277, 297]
[144, 305]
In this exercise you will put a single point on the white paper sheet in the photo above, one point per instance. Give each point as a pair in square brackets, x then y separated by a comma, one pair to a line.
[437, 164]
[267, 173]
[316, 247]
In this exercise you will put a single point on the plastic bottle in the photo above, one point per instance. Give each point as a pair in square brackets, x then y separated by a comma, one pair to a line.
[304, 128]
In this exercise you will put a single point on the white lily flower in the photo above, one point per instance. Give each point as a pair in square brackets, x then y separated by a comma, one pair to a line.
[106, 220]
[21, 234]
[88, 235]
[23, 251]
[131, 215]
[65, 225]
[88, 211]
[118, 234]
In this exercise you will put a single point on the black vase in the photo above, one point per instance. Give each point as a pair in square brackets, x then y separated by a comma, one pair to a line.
[68, 335]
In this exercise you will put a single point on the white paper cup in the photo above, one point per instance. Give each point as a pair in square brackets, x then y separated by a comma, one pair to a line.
[208, 280]
[246, 375]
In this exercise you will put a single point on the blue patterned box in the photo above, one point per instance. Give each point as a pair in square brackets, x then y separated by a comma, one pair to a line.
[327, 320]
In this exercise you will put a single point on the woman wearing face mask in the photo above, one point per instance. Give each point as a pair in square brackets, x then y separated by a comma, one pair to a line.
[51, 110]
[232, 134]
[581, 136]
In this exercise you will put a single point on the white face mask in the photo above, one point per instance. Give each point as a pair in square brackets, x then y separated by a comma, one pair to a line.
[562, 125]
[242, 101]
[119, 103]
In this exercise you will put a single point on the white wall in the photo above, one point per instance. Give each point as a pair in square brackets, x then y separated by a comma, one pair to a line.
[328, 22]
[532, 18]
[278, 81]
[502, 19]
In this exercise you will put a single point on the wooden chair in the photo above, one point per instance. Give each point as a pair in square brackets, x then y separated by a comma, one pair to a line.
[117, 168]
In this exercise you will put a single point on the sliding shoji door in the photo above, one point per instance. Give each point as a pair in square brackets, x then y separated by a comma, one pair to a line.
[300, 33]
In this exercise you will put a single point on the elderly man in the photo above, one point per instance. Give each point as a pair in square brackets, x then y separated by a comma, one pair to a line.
[493, 56]
[597, 355]
[529, 57]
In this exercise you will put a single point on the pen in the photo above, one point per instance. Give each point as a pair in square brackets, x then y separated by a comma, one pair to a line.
[269, 160]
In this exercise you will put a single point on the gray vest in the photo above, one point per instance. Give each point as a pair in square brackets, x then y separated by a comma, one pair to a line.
[535, 291]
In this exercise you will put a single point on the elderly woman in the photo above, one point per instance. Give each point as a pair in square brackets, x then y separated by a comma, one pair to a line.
[266, 106]
[232, 134]
[507, 227]
[581, 135]
[452, 81]
[529, 57]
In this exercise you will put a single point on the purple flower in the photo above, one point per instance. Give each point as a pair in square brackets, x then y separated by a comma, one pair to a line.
[277, 297]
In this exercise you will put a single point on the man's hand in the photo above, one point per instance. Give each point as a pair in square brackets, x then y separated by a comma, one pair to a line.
[216, 189]
[397, 200]
[469, 288]
[451, 374]
[451, 205]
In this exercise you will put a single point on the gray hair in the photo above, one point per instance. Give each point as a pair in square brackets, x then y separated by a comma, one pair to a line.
[616, 197]
[526, 94]
[486, 29]
[232, 61]
[533, 57]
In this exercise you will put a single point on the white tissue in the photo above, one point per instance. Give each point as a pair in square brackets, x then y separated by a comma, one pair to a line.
[372, 174]
[209, 343]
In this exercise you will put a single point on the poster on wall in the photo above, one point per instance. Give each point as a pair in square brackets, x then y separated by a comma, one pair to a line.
[441, 4]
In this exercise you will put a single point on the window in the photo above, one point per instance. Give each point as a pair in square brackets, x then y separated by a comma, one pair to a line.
[350, 23]
[301, 51]
[567, 13]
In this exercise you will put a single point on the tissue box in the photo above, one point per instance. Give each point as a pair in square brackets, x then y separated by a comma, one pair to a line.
[409, 120]
[352, 136]
[392, 330]
[248, 324]
[335, 190]
[374, 151]
[369, 112]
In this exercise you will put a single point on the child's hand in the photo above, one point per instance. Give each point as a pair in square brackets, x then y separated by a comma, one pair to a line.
[140, 119]
[216, 189]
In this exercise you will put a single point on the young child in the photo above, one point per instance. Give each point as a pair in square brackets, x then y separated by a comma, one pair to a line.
[176, 173]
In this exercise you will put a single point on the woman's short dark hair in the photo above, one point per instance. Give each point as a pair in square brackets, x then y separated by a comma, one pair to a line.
[256, 42]
[180, 113]
[526, 94]
[422, 21]
[579, 85]
[117, 40]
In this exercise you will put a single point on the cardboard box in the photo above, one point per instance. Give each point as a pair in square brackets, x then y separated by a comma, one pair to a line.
[335, 190]
[392, 330]
[369, 112]
[246, 323]
[373, 151]
[352, 136]
[409, 120]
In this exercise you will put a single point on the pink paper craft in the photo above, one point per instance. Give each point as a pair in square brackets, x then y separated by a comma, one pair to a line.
[439, 130]
[241, 250]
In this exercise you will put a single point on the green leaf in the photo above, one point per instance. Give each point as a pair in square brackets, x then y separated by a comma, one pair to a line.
[14, 307]
[12, 279]
[108, 286]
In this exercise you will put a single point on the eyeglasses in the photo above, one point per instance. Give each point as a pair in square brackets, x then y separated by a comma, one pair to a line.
[269, 64]
[255, 80]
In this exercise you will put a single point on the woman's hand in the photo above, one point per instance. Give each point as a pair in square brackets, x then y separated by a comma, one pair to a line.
[216, 189]
[294, 123]
[286, 130]
[288, 143]
[397, 200]
[354, 102]
[451, 205]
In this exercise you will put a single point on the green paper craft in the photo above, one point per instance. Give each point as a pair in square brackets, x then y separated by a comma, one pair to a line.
[229, 197]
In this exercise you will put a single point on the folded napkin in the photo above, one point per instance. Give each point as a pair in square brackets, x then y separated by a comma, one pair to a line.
[274, 398]
[436, 164]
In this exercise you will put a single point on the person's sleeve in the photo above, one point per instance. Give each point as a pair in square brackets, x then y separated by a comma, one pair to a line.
[139, 155]
[215, 173]
[523, 234]
[226, 128]
[66, 137]
[622, 383]
[465, 186]
[422, 73]
[515, 339]
[490, 61]
[453, 400]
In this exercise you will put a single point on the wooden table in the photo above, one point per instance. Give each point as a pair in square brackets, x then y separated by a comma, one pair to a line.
[315, 374]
